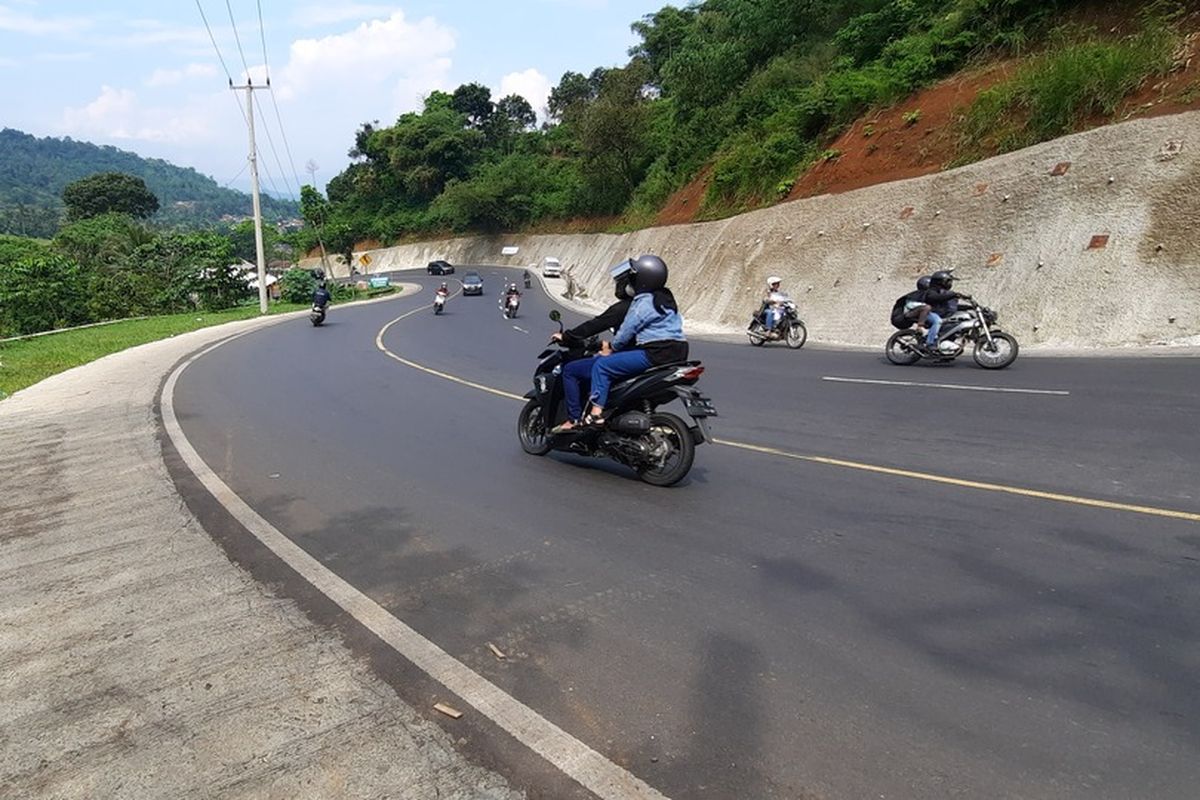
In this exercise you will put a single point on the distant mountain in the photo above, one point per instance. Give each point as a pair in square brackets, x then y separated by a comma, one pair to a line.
[34, 171]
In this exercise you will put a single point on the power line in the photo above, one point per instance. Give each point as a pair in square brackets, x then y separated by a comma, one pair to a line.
[278, 117]
[237, 39]
[274, 152]
[221, 58]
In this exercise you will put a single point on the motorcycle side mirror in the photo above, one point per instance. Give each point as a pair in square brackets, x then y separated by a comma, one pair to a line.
[555, 316]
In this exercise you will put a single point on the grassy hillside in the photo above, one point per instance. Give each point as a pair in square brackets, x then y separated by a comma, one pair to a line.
[34, 171]
[742, 100]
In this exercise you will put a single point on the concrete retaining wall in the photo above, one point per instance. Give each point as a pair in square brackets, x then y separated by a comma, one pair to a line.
[1022, 239]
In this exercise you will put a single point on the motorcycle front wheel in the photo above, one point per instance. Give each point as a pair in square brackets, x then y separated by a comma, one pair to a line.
[902, 348]
[531, 430]
[797, 335]
[999, 354]
[674, 449]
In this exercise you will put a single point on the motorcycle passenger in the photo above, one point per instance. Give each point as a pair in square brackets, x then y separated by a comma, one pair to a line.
[579, 372]
[942, 302]
[650, 336]
[321, 296]
[912, 308]
[770, 311]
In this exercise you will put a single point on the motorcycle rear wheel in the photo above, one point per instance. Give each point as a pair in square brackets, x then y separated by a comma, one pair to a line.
[677, 462]
[756, 333]
[531, 430]
[901, 348]
[797, 335]
[998, 356]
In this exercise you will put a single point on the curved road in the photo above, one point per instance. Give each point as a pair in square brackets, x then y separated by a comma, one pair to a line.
[909, 591]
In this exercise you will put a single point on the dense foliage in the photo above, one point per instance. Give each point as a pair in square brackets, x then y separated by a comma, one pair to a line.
[107, 193]
[113, 266]
[34, 172]
[752, 89]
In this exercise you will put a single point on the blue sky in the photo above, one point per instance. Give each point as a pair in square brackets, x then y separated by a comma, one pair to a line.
[146, 77]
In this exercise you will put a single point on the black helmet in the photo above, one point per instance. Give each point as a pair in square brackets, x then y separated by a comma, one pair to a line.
[923, 282]
[942, 279]
[649, 273]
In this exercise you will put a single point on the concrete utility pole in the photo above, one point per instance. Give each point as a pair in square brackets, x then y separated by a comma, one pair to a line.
[258, 237]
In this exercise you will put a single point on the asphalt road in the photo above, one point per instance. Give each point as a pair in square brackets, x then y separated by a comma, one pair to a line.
[773, 626]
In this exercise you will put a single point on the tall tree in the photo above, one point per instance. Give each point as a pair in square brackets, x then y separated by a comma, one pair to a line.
[474, 100]
[108, 192]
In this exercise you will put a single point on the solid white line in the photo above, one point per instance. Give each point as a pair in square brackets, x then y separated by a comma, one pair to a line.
[958, 386]
[592, 770]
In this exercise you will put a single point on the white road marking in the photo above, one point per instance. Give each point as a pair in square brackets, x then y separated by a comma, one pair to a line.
[958, 386]
[574, 758]
[522, 330]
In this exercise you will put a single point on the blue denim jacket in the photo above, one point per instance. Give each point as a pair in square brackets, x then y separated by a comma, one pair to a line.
[644, 322]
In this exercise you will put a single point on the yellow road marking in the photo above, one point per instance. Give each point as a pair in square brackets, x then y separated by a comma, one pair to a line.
[837, 462]
[968, 484]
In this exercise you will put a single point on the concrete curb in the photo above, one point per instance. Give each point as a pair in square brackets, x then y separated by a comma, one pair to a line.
[138, 661]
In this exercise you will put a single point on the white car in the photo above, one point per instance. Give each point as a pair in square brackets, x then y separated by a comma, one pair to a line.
[551, 268]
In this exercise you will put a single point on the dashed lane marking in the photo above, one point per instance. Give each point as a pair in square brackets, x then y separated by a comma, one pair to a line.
[1000, 488]
[958, 386]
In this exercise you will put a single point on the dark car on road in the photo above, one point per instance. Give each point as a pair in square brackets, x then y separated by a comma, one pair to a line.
[439, 267]
[472, 283]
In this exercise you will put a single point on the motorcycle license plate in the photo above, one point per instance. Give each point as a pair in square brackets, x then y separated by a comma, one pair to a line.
[698, 406]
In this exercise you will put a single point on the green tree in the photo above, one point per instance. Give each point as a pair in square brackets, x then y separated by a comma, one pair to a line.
[474, 101]
[109, 192]
[42, 293]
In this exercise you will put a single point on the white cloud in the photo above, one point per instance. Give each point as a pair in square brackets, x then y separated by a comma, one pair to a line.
[17, 22]
[349, 73]
[530, 84]
[318, 15]
[118, 114]
[170, 77]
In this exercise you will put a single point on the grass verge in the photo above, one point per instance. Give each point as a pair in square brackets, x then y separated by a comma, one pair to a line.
[27, 361]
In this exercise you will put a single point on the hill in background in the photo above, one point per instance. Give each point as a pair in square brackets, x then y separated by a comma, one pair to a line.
[33, 173]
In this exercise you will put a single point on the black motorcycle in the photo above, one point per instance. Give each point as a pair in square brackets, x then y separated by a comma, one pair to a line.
[659, 446]
[969, 323]
[317, 315]
[789, 328]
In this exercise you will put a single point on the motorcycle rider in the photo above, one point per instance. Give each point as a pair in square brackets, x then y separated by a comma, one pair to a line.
[650, 336]
[321, 296]
[578, 372]
[770, 311]
[528, 280]
[942, 301]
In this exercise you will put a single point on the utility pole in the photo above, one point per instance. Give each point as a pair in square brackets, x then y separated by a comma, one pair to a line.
[258, 237]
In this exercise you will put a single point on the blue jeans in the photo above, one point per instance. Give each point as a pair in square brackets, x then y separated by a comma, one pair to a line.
[574, 375]
[770, 317]
[611, 368]
[934, 321]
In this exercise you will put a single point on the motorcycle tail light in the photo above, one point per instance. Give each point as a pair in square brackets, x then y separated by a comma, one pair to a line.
[689, 373]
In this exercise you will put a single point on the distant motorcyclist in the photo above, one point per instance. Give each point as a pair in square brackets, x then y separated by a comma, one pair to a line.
[528, 279]
[443, 290]
[771, 311]
[321, 296]
[511, 290]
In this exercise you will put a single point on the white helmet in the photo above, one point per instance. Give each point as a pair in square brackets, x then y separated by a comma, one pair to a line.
[774, 279]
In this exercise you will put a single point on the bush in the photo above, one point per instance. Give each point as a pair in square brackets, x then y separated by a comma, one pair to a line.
[42, 293]
[297, 286]
[1081, 77]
